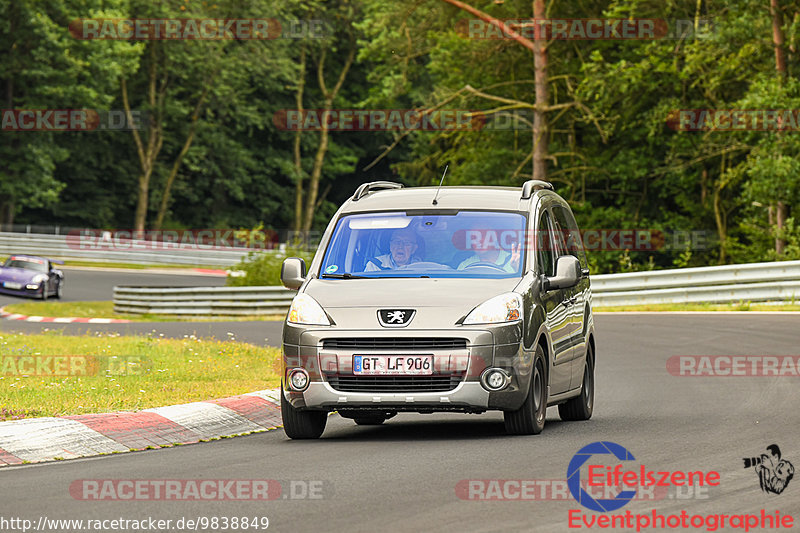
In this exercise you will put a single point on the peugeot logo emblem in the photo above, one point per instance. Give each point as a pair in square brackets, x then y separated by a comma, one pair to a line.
[395, 318]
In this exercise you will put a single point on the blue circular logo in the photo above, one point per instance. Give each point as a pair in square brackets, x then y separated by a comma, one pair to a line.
[574, 476]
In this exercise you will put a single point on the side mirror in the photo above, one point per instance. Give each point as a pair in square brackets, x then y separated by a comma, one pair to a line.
[293, 272]
[568, 273]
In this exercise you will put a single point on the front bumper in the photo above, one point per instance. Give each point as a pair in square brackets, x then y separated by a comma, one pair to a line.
[466, 397]
[37, 292]
[330, 366]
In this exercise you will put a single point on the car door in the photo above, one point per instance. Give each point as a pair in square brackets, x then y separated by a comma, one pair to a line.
[572, 244]
[557, 319]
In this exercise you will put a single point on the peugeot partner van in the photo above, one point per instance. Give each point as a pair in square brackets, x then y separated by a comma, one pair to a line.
[451, 299]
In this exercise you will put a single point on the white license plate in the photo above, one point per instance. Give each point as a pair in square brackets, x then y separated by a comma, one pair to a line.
[390, 365]
[12, 285]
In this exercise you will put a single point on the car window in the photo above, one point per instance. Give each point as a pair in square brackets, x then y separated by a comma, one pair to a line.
[545, 246]
[26, 262]
[569, 236]
[462, 244]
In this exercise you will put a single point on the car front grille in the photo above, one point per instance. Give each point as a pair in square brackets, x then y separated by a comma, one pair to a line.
[392, 384]
[395, 343]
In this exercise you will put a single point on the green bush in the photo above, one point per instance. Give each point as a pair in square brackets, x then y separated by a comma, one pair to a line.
[264, 268]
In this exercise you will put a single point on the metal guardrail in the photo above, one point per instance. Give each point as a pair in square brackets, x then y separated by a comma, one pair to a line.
[758, 282]
[120, 251]
[203, 301]
[777, 282]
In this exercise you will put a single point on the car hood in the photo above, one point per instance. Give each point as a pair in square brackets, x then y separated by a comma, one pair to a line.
[20, 275]
[406, 292]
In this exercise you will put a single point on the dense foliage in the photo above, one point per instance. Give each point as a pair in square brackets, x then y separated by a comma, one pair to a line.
[218, 160]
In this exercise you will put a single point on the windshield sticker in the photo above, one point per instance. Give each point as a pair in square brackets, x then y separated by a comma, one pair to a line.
[331, 269]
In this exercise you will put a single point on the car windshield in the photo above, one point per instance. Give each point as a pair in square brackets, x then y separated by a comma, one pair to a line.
[463, 244]
[27, 263]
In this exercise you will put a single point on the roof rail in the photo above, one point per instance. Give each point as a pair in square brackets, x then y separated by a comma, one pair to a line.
[366, 188]
[534, 185]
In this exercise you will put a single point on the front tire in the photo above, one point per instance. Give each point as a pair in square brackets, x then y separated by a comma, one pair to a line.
[44, 291]
[529, 419]
[581, 407]
[300, 424]
[60, 289]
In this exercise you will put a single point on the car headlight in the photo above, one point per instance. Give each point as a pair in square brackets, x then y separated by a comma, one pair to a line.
[39, 278]
[504, 308]
[306, 310]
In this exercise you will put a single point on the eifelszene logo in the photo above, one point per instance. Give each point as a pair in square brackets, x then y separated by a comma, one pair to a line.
[601, 475]
[774, 473]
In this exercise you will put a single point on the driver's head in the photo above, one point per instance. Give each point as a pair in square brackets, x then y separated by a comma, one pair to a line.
[403, 245]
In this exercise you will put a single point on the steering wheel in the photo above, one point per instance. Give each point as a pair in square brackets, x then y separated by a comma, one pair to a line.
[424, 265]
[485, 264]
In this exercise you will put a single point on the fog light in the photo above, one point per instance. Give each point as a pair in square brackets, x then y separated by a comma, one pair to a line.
[495, 379]
[32, 286]
[298, 379]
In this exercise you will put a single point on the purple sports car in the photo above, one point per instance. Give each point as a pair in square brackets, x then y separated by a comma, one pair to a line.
[28, 275]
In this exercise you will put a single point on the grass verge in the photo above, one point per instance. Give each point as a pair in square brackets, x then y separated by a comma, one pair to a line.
[105, 309]
[53, 374]
[741, 306]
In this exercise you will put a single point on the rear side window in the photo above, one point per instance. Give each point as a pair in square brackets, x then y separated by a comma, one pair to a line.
[569, 236]
[545, 246]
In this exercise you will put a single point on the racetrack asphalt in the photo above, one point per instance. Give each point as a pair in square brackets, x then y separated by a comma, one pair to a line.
[98, 285]
[403, 476]
[92, 285]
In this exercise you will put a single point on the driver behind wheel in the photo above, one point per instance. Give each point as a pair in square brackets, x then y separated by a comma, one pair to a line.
[402, 249]
[488, 250]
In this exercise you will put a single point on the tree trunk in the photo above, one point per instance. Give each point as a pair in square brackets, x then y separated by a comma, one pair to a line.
[141, 201]
[298, 135]
[539, 48]
[316, 172]
[540, 130]
[722, 231]
[7, 206]
[7, 213]
[780, 67]
[147, 154]
[322, 149]
[780, 221]
[777, 38]
[173, 173]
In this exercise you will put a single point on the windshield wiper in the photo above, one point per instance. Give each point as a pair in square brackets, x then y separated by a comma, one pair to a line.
[346, 275]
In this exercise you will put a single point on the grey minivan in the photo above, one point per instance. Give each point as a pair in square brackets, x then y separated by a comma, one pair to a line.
[425, 299]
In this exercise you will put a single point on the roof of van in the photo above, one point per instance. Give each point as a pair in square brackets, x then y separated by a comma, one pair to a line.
[463, 197]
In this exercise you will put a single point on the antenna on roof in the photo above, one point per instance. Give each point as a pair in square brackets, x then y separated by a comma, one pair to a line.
[440, 185]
